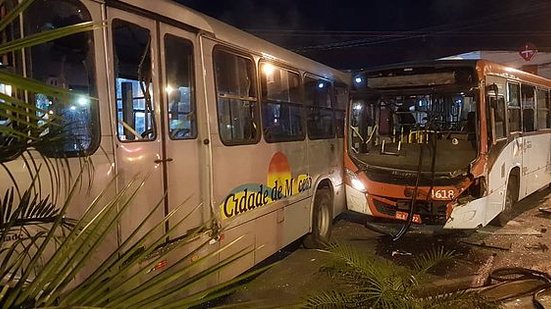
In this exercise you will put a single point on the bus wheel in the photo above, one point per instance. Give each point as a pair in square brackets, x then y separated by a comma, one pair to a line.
[322, 221]
[511, 196]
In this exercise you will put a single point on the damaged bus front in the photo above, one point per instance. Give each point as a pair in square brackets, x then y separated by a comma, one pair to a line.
[413, 146]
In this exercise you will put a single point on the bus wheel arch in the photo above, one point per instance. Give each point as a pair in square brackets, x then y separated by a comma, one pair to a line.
[512, 192]
[321, 216]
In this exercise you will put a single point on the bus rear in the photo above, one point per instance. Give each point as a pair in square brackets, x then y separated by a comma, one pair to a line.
[413, 140]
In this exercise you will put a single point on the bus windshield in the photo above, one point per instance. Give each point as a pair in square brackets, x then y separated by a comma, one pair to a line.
[431, 131]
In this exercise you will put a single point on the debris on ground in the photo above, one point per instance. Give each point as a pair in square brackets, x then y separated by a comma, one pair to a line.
[400, 252]
[545, 210]
[538, 246]
[509, 231]
[483, 272]
[489, 246]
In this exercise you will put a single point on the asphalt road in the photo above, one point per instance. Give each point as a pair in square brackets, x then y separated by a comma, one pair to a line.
[522, 242]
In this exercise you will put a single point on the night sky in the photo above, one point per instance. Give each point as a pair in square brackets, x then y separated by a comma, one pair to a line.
[361, 34]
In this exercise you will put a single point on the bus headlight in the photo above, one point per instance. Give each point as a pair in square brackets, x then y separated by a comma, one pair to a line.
[354, 181]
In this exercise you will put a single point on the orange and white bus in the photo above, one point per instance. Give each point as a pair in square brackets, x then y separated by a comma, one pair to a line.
[451, 144]
[217, 117]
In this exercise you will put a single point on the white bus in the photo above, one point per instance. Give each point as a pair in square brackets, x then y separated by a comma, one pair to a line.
[216, 116]
[447, 144]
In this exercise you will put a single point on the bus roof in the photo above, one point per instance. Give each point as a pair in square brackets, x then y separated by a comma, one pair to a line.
[224, 32]
[488, 67]
[483, 67]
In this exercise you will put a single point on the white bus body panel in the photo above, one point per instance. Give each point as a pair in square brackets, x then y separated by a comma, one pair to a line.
[357, 201]
[531, 155]
[536, 162]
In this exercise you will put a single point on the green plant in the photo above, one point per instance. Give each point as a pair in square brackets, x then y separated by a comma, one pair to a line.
[25, 126]
[372, 282]
[123, 279]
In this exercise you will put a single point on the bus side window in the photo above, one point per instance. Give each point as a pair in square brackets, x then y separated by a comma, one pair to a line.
[543, 109]
[281, 109]
[237, 103]
[321, 119]
[513, 107]
[528, 108]
[68, 63]
[497, 107]
[133, 82]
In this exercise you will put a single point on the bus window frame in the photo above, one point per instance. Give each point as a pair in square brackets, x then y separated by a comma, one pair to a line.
[152, 50]
[538, 109]
[263, 100]
[257, 116]
[193, 88]
[308, 106]
[519, 107]
[534, 108]
[95, 102]
[493, 120]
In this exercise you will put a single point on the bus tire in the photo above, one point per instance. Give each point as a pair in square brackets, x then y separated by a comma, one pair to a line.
[511, 197]
[322, 221]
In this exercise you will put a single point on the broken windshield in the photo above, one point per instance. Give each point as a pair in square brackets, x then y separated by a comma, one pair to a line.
[388, 130]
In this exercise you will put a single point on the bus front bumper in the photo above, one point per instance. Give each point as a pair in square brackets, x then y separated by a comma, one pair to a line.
[465, 216]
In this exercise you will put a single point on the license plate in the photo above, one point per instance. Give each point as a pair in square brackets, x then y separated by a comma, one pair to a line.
[400, 215]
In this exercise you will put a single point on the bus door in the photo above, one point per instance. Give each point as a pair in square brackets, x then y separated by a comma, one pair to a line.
[152, 117]
[180, 125]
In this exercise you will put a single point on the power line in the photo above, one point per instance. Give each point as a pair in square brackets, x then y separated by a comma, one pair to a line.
[407, 33]
[442, 30]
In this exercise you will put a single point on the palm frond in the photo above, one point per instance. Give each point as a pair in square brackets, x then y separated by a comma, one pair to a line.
[124, 261]
[13, 14]
[37, 86]
[46, 36]
[162, 298]
[220, 290]
[354, 264]
[30, 210]
[20, 293]
[329, 300]
[372, 282]
[432, 259]
[360, 262]
[117, 281]
[80, 245]
[369, 280]
[16, 256]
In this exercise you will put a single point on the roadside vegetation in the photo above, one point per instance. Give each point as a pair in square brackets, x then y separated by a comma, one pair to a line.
[368, 281]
